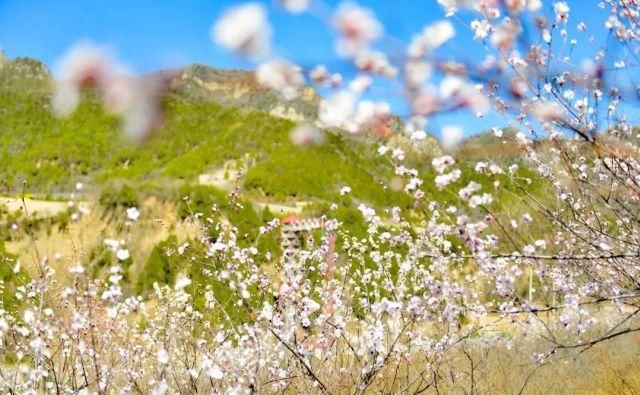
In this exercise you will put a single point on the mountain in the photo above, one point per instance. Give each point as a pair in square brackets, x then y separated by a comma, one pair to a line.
[219, 127]
[239, 88]
[216, 121]
[23, 74]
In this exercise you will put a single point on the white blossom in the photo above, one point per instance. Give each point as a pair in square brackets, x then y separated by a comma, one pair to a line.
[244, 29]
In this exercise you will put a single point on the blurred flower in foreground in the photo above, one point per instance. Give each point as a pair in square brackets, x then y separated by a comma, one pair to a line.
[562, 11]
[144, 114]
[375, 62]
[358, 27]
[244, 29]
[432, 37]
[418, 135]
[284, 77]
[425, 101]
[84, 65]
[547, 111]
[343, 110]
[335, 110]
[306, 135]
[452, 6]
[451, 136]
[296, 6]
[319, 75]
[134, 99]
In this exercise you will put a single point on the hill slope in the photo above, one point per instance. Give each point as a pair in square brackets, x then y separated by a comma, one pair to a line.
[212, 117]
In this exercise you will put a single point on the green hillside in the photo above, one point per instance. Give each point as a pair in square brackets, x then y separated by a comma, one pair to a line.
[199, 135]
[220, 122]
[204, 131]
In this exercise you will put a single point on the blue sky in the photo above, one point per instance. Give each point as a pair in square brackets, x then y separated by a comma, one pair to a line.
[148, 35]
[154, 34]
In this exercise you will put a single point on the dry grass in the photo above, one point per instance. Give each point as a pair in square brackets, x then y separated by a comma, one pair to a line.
[472, 367]
[609, 368]
[75, 242]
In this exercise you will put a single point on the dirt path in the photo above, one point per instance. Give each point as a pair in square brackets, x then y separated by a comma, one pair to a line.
[38, 208]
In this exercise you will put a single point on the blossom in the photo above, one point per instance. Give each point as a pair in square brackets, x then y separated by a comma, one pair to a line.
[495, 169]
[86, 64]
[367, 212]
[244, 29]
[357, 26]
[561, 8]
[397, 154]
[111, 243]
[450, 6]
[451, 136]
[534, 5]
[505, 34]
[305, 135]
[134, 99]
[481, 29]
[336, 110]
[182, 282]
[443, 180]
[442, 163]
[466, 94]
[133, 213]
[416, 73]
[547, 111]
[383, 149]
[375, 62]
[451, 86]
[141, 111]
[479, 200]
[76, 269]
[413, 184]
[432, 37]
[296, 6]
[163, 357]
[419, 135]
[467, 191]
[319, 75]
[425, 102]
[385, 306]
[284, 77]
[215, 372]
[360, 84]
[122, 254]
[83, 65]
[481, 167]
[369, 113]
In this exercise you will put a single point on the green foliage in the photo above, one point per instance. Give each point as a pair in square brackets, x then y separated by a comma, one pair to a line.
[164, 266]
[114, 196]
[10, 280]
[160, 268]
[53, 154]
[101, 258]
[319, 172]
[202, 199]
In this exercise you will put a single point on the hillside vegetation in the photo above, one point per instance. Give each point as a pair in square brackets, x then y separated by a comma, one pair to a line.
[198, 135]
